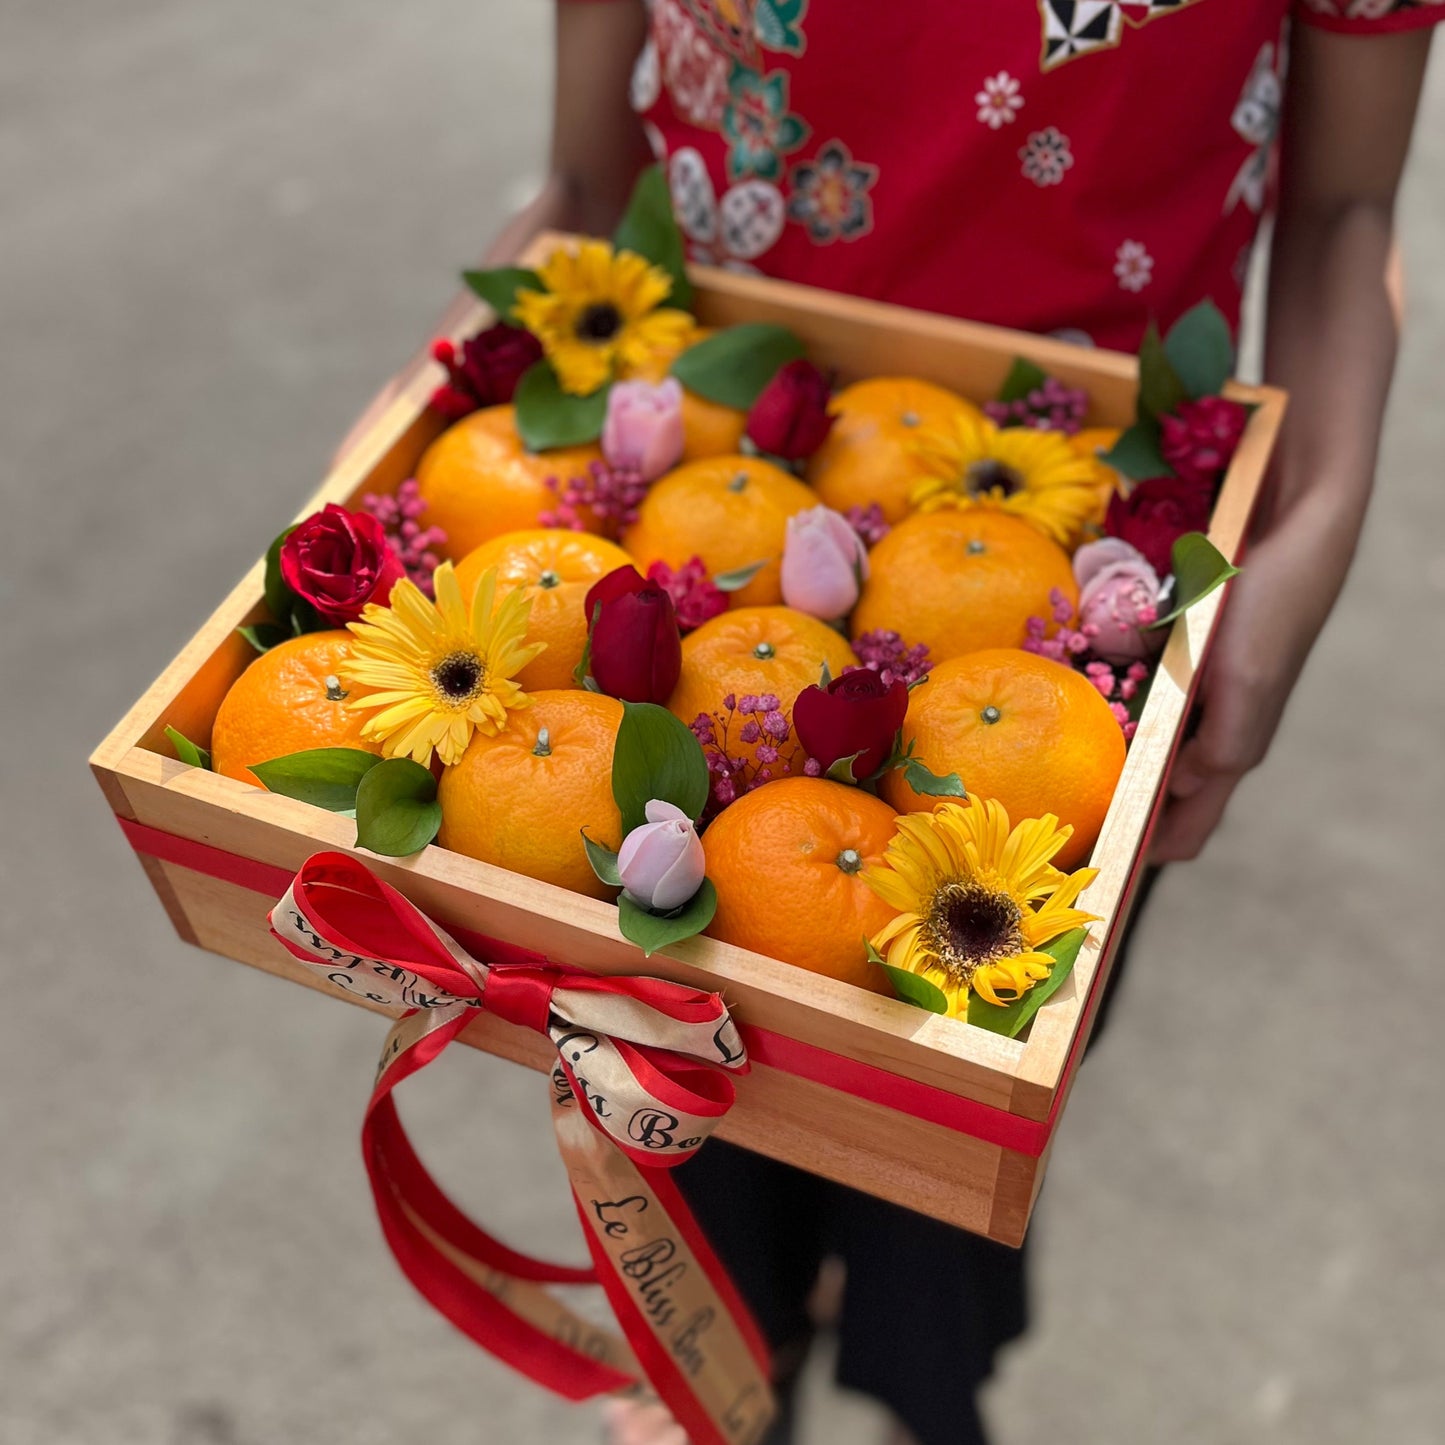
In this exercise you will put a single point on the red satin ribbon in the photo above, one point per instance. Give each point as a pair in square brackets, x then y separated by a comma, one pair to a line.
[339, 917]
[986, 1122]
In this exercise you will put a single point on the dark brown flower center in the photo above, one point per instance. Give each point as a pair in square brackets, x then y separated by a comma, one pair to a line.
[459, 676]
[599, 322]
[991, 475]
[969, 925]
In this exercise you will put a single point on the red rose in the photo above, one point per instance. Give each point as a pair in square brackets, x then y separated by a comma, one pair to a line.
[856, 713]
[486, 372]
[636, 647]
[1158, 512]
[1199, 439]
[338, 561]
[790, 417]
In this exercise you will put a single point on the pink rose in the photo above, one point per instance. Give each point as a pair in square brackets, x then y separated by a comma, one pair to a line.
[1118, 600]
[1199, 439]
[824, 564]
[643, 429]
[661, 863]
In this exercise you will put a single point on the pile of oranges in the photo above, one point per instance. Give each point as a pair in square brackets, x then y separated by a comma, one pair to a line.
[785, 858]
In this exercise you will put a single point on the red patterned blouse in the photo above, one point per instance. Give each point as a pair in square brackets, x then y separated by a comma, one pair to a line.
[1071, 166]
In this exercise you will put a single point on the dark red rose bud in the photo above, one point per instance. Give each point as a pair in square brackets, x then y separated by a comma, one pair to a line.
[338, 561]
[790, 417]
[486, 370]
[636, 646]
[1156, 514]
[855, 713]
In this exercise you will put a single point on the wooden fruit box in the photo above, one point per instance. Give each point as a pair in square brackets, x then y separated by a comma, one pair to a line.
[924, 1110]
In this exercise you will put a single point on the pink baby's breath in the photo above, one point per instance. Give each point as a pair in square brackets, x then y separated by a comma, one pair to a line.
[609, 495]
[417, 547]
[883, 651]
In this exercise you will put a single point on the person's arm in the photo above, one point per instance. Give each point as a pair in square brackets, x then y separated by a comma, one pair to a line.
[598, 149]
[1331, 339]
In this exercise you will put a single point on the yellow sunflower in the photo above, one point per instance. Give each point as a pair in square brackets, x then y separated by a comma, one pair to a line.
[977, 901]
[601, 313]
[1035, 474]
[440, 670]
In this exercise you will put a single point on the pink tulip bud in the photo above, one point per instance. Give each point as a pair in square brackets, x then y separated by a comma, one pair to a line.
[661, 863]
[825, 564]
[643, 429]
[1118, 599]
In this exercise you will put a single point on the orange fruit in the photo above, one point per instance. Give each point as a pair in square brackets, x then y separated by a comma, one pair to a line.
[1018, 727]
[786, 860]
[478, 480]
[961, 579]
[521, 801]
[556, 567]
[1092, 442]
[757, 651]
[709, 429]
[289, 700]
[730, 511]
[868, 456]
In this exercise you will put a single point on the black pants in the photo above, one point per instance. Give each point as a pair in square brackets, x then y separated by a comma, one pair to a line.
[926, 1307]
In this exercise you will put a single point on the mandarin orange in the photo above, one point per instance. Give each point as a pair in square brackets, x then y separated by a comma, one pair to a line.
[868, 456]
[730, 511]
[786, 861]
[556, 567]
[757, 651]
[959, 580]
[478, 480]
[521, 799]
[1030, 732]
[289, 700]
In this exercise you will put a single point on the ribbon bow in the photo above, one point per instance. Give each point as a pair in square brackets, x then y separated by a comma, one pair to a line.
[642, 1077]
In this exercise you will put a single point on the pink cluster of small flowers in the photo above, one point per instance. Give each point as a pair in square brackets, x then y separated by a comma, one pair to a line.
[1118, 689]
[885, 652]
[869, 523]
[696, 598]
[1049, 407]
[415, 546]
[1067, 641]
[758, 722]
[611, 495]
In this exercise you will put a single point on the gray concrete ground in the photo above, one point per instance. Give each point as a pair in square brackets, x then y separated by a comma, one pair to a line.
[220, 227]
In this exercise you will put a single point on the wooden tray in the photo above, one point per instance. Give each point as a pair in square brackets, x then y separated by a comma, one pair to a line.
[926, 1111]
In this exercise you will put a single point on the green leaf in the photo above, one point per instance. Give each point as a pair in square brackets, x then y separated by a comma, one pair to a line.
[1024, 376]
[324, 777]
[549, 417]
[603, 861]
[911, 987]
[650, 228]
[263, 636]
[922, 779]
[498, 286]
[397, 812]
[1201, 350]
[656, 756]
[280, 599]
[732, 366]
[582, 673]
[1137, 453]
[651, 931]
[841, 770]
[1011, 1018]
[739, 577]
[1160, 389]
[1199, 567]
[187, 751]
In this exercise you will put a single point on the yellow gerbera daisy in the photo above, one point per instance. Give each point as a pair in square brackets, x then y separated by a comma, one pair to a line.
[601, 313]
[1035, 474]
[440, 670]
[977, 901]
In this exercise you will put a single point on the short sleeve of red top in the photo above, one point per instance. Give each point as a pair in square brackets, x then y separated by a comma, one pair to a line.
[1070, 166]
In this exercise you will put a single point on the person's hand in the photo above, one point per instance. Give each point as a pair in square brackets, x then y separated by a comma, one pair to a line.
[1277, 608]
